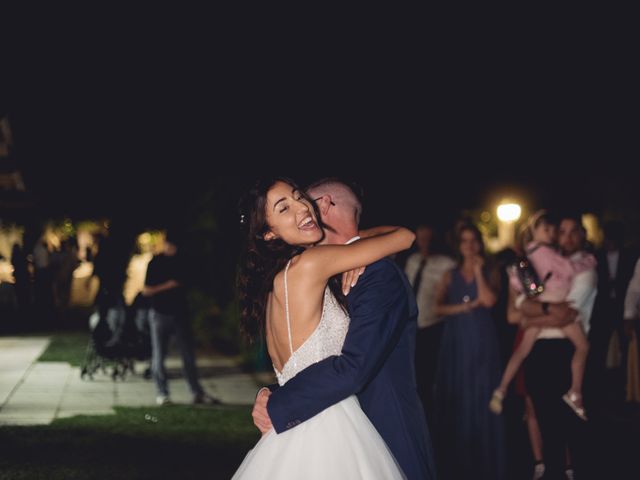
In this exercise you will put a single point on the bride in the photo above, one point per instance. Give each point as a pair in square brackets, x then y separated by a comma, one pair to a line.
[289, 293]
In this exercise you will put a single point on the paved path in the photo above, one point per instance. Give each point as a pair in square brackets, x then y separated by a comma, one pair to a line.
[36, 393]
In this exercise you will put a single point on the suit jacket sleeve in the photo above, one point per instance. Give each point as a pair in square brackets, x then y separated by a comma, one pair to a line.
[379, 307]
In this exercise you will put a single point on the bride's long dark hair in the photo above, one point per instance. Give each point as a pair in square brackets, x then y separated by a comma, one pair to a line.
[263, 259]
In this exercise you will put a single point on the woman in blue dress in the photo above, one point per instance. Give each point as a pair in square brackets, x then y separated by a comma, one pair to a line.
[470, 438]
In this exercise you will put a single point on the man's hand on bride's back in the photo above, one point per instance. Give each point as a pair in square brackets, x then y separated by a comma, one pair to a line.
[350, 278]
[259, 413]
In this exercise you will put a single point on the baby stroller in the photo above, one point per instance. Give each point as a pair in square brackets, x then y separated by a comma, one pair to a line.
[119, 336]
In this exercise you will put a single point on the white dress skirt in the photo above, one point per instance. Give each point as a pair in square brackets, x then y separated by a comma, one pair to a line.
[338, 443]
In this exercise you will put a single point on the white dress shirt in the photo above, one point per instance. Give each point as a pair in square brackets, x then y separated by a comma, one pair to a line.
[435, 267]
[632, 298]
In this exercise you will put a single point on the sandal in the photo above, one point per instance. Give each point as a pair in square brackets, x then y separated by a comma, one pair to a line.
[570, 399]
[495, 405]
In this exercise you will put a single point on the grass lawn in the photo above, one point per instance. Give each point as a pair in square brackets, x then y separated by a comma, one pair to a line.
[68, 347]
[71, 347]
[183, 443]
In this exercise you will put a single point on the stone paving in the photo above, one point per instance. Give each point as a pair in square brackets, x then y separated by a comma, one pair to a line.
[36, 393]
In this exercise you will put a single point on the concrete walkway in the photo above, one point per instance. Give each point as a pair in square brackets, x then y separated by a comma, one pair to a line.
[36, 393]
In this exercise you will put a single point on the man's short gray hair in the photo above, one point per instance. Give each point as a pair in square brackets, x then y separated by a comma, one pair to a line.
[343, 194]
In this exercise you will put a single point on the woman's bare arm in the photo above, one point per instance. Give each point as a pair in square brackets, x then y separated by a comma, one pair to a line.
[148, 291]
[324, 261]
[486, 295]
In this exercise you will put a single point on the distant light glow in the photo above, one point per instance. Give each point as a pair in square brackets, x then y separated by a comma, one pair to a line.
[509, 212]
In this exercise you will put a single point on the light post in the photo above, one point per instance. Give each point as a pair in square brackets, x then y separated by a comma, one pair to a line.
[508, 215]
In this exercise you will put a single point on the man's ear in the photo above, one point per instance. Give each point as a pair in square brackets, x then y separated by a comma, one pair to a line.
[269, 236]
[324, 203]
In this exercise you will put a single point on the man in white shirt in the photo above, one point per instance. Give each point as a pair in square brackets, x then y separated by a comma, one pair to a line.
[425, 269]
[548, 367]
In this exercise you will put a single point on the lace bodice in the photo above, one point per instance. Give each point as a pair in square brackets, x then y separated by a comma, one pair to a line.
[326, 340]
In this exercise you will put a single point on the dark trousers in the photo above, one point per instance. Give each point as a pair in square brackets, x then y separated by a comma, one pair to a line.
[427, 351]
[548, 377]
[600, 384]
[163, 326]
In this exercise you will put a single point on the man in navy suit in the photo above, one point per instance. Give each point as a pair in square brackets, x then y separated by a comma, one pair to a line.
[377, 361]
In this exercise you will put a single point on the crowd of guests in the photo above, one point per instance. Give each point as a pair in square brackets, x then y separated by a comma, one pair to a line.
[479, 329]
[42, 277]
[42, 288]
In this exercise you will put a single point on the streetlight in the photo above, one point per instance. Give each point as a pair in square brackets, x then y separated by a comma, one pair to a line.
[508, 214]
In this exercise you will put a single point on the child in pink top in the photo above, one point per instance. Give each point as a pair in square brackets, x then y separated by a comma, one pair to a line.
[557, 273]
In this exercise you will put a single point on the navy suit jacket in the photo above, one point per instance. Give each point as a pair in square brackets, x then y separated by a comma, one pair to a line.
[377, 364]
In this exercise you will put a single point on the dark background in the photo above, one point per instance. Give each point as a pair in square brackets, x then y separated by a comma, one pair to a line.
[136, 119]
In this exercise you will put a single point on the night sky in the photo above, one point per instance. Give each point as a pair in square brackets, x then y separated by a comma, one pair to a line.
[139, 139]
[143, 144]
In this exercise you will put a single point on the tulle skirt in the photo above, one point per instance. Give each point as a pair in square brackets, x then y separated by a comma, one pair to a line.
[339, 443]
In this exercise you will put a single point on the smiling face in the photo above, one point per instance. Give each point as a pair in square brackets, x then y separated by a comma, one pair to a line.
[290, 216]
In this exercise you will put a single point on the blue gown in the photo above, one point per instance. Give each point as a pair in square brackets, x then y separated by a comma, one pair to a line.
[470, 438]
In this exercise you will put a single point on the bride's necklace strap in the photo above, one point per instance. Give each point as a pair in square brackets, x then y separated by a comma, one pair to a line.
[286, 306]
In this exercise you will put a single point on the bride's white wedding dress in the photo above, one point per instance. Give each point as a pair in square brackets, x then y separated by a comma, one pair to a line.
[338, 443]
